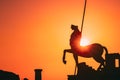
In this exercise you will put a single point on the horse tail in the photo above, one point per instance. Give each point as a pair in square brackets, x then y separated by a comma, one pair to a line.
[105, 50]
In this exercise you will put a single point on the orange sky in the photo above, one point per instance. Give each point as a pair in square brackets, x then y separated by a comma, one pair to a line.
[34, 33]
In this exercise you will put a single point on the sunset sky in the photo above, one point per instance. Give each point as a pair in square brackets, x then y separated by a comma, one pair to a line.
[34, 33]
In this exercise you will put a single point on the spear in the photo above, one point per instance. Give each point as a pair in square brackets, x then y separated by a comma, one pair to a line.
[83, 16]
[81, 27]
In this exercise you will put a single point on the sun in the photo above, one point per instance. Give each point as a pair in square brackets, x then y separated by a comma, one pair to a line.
[84, 42]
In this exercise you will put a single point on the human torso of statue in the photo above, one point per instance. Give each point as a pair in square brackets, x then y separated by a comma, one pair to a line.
[75, 40]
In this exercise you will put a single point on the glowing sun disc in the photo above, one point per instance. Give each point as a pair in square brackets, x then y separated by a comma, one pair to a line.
[84, 42]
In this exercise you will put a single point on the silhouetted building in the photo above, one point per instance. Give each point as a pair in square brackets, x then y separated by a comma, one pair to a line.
[111, 71]
[112, 61]
[5, 75]
[85, 72]
[38, 74]
[72, 77]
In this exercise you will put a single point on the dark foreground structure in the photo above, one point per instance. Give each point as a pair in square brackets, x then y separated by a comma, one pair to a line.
[5, 75]
[111, 71]
[38, 74]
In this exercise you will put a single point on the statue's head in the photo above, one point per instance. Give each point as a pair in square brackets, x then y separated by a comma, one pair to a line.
[74, 27]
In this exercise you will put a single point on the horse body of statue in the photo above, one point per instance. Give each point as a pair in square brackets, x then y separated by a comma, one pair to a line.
[91, 50]
[94, 50]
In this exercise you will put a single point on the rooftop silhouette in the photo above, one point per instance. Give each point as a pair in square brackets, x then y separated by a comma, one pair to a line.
[5, 75]
[111, 71]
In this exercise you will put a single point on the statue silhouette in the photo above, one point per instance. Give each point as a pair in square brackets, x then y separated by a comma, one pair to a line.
[93, 50]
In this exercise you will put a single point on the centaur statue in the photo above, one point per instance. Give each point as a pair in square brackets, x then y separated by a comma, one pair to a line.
[94, 50]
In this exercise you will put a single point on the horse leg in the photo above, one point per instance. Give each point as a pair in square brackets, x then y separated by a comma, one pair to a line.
[74, 55]
[76, 61]
[100, 60]
[64, 54]
[76, 58]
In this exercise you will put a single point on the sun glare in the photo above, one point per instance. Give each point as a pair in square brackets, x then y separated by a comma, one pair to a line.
[84, 42]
